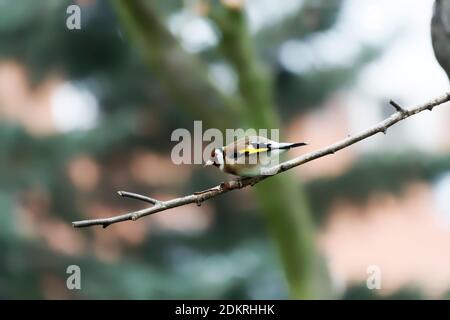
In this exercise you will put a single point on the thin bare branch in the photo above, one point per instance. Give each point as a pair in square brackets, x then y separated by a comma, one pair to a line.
[199, 197]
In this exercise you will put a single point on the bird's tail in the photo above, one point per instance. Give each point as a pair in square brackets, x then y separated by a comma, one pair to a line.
[292, 145]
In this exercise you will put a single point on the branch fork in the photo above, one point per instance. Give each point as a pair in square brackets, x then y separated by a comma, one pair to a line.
[239, 183]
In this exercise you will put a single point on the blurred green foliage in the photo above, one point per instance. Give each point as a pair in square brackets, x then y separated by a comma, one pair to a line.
[375, 172]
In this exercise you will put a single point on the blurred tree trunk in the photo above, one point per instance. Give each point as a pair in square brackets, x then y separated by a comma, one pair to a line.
[181, 73]
[281, 197]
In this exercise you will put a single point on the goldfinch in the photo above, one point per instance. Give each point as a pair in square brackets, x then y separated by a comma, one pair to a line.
[249, 156]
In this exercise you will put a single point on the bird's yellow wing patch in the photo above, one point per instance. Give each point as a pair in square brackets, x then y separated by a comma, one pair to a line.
[252, 150]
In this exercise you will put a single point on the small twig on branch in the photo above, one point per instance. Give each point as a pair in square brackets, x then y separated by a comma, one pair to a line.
[396, 106]
[201, 196]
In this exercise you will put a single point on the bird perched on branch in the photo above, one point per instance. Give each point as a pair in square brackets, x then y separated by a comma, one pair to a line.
[249, 156]
[440, 33]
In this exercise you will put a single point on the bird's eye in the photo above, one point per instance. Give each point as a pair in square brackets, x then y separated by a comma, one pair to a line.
[213, 153]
